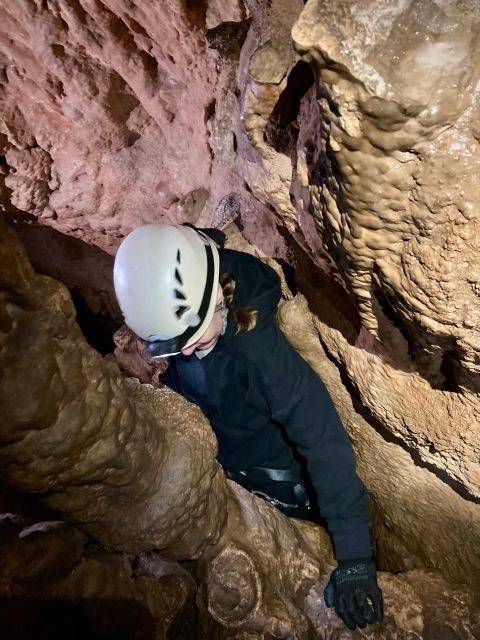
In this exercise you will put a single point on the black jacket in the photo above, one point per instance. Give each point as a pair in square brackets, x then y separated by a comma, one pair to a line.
[258, 392]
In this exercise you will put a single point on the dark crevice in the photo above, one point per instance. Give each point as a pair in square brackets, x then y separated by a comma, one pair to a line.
[320, 286]
[210, 110]
[228, 37]
[26, 616]
[208, 113]
[281, 131]
[4, 165]
[29, 507]
[58, 50]
[443, 377]
[97, 328]
[84, 269]
[289, 273]
[389, 313]
[196, 12]
[449, 367]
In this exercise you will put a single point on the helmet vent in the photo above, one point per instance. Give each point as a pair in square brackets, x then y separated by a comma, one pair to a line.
[178, 277]
[179, 311]
[179, 295]
[179, 256]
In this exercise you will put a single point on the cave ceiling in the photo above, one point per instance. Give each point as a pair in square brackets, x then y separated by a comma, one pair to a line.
[339, 141]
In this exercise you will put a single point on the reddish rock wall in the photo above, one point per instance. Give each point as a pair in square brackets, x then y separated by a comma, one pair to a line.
[114, 114]
[354, 158]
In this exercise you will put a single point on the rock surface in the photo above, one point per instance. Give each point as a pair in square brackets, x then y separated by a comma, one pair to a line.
[108, 434]
[53, 586]
[384, 154]
[392, 182]
[134, 468]
[115, 114]
[353, 157]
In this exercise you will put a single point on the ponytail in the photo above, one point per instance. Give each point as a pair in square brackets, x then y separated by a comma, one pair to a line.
[245, 318]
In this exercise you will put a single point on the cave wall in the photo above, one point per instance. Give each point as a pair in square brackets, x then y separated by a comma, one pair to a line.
[350, 155]
[116, 114]
[134, 469]
[382, 156]
[392, 177]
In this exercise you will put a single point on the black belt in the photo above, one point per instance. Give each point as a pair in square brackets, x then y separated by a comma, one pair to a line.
[277, 475]
[247, 477]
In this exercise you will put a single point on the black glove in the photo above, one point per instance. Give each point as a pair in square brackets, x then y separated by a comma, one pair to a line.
[354, 592]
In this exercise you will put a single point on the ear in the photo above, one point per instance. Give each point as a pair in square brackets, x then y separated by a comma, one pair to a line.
[219, 294]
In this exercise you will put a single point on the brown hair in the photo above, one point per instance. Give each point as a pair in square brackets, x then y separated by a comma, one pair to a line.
[245, 318]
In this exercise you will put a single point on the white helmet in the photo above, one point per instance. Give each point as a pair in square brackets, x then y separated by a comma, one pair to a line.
[166, 279]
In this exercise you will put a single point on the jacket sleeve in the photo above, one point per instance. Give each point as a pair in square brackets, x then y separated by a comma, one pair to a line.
[299, 401]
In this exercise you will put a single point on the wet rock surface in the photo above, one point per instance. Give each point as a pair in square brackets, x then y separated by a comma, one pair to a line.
[349, 155]
[80, 449]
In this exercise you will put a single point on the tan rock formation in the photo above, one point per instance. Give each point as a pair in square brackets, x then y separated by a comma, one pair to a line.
[119, 113]
[50, 587]
[132, 466]
[100, 451]
[393, 174]
[419, 521]
[135, 468]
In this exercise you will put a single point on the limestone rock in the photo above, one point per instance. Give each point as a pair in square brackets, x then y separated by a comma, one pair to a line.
[134, 360]
[116, 114]
[51, 587]
[419, 520]
[100, 451]
[393, 174]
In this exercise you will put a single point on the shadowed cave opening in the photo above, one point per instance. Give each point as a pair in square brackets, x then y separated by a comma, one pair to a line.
[84, 269]
[97, 328]
[281, 131]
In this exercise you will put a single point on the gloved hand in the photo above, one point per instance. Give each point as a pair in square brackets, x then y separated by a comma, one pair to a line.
[354, 592]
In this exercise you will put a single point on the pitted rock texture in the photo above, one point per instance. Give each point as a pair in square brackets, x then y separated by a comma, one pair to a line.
[101, 451]
[115, 114]
[132, 466]
[135, 468]
[393, 172]
[382, 149]
[409, 500]
[261, 583]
